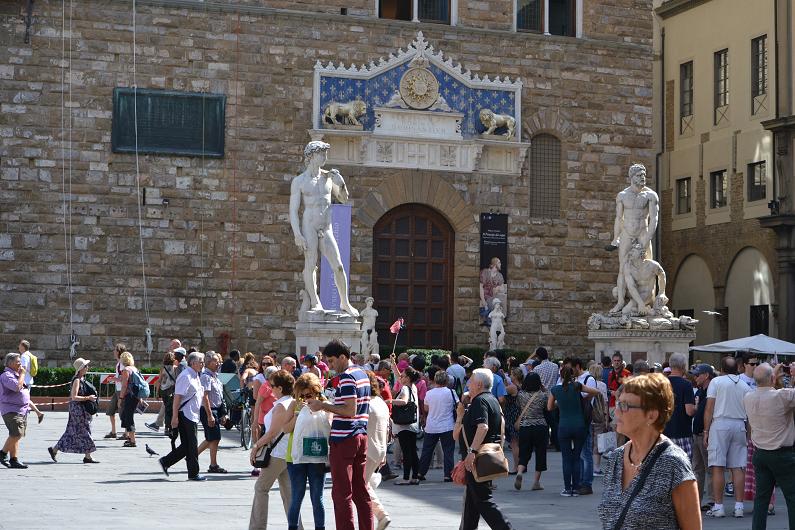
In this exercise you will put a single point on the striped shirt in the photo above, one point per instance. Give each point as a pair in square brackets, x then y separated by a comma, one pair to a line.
[353, 384]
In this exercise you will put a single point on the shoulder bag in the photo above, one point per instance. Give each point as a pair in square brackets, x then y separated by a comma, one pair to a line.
[644, 474]
[87, 389]
[263, 457]
[490, 462]
[405, 414]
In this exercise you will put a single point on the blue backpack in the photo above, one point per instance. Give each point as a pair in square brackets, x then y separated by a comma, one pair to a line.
[139, 387]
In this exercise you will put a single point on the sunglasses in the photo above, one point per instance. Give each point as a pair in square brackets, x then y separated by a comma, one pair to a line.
[623, 406]
[753, 364]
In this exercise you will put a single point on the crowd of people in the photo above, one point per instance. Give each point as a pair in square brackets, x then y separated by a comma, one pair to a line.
[662, 437]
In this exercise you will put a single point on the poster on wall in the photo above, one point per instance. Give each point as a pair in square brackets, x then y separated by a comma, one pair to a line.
[341, 226]
[493, 264]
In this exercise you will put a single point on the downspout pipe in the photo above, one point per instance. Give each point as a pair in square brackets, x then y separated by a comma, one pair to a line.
[658, 155]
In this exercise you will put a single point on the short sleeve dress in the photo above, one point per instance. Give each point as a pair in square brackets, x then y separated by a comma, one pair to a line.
[653, 507]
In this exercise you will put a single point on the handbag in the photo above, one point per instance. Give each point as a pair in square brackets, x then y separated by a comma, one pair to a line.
[262, 458]
[405, 414]
[490, 462]
[606, 442]
[459, 474]
[644, 474]
[518, 423]
[91, 405]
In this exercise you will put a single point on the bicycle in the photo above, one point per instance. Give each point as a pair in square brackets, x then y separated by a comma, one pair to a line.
[244, 425]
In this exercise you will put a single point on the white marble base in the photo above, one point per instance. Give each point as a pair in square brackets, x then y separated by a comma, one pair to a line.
[315, 329]
[655, 346]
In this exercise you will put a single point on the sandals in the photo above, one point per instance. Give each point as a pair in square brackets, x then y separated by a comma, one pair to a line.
[216, 469]
[402, 482]
[41, 417]
[537, 487]
[110, 435]
[128, 443]
[52, 453]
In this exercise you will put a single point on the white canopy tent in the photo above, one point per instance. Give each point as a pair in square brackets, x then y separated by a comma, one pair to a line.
[760, 344]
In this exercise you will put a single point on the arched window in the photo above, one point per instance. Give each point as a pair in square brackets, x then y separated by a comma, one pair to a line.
[544, 173]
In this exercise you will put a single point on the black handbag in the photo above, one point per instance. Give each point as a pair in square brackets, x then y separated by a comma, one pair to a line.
[405, 414]
[262, 458]
[91, 405]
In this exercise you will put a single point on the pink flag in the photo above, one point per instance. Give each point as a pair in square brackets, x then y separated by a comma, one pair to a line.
[397, 326]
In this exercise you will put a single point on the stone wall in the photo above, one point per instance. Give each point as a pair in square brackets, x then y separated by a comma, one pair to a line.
[219, 257]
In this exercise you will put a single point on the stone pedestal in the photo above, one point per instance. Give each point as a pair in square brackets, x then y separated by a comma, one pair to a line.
[655, 346]
[315, 329]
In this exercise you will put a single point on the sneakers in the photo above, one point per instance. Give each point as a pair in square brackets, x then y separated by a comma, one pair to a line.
[152, 427]
[198, 478]
[16, 464]
[4, 458]
[585, 490]
[716, 513]
[707, 507]
[383, 523]
[739, 513]
[569, 493]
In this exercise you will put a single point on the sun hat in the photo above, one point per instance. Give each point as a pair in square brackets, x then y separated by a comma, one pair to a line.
[80, 363]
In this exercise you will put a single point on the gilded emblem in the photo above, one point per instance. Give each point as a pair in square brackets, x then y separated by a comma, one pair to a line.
[419, 88]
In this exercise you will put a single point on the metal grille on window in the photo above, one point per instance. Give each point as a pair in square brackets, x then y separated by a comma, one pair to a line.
[686, 98]
[718, 189]
[721, 86]
[759, 319]
[757, 181]
[434, 11]
[759, 74]
[544, 172]
[528, 15]
[683, 196]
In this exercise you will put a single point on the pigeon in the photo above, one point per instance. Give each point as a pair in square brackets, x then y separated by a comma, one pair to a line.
[151, 451]
[712, 313]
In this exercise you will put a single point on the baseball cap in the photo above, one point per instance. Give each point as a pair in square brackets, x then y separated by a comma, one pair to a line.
[703, 369]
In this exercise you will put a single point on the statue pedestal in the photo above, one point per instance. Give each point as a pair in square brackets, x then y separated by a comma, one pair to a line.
[315, 329]
[655, 346]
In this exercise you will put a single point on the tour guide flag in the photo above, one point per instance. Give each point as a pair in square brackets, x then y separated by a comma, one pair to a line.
[395, 329]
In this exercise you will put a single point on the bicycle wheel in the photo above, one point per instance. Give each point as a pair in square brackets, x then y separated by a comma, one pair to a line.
[245, 429]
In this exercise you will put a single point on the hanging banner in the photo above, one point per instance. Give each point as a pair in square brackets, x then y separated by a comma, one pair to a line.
[341, 226]
[493, 264]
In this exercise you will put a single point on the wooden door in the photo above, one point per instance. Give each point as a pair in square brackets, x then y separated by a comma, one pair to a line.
[413, 249]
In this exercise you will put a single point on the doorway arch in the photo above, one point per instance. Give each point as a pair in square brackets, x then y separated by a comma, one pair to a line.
[413, 249]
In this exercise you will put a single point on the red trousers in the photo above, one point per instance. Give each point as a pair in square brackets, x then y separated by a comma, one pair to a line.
[348, 486]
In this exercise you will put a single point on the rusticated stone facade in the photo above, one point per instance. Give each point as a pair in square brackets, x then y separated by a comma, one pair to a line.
[220, 259]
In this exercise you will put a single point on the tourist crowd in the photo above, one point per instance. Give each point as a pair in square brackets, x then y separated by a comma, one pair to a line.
[662, 437]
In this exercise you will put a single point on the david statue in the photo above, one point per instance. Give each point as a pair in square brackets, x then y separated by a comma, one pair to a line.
[313, 232]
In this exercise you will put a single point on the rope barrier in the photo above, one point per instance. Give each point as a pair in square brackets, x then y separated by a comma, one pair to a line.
[50, 386]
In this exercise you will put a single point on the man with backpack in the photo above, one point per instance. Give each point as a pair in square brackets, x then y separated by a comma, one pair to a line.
[31, 364]
[586, 457]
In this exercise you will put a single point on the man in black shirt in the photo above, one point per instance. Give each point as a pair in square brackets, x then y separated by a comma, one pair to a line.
[229, 366]
[482, 423]
[703, 374]
[680, 427]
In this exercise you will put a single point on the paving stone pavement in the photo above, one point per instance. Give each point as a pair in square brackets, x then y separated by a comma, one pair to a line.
[128, 490]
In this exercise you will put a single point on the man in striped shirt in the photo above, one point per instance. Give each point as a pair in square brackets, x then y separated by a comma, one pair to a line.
[348, 439]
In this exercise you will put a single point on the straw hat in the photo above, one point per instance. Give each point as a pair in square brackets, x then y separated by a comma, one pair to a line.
[80, 363]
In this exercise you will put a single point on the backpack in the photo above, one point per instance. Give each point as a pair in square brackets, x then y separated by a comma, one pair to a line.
[599, 412]
[34, 365]
[587, 406]
[139, 387]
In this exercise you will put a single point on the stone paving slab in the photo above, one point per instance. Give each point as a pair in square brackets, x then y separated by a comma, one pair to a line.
[128, 490]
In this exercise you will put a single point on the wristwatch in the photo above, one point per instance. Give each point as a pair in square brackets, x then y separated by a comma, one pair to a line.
[473, 451]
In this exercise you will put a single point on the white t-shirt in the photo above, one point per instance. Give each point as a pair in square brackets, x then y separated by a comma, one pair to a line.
[591, 381]
[728, 392]
[441, 410]
[280, 451]
[25, 360]
[457, 371]
[189, 387]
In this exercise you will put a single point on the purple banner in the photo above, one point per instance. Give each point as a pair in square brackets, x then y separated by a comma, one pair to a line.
[341, 226]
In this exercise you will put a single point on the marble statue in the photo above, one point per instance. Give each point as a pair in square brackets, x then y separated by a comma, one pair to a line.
[493, 121]
[369, 341]
[346, 114]
[645, 281]
[637, 212]
[313, 231]
[497, 330]
[492, 287]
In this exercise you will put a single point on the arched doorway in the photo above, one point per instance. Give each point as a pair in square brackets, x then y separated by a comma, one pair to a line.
[413, 248]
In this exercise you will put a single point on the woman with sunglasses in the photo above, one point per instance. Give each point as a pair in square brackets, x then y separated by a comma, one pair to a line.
[648, 481]
[302, 466]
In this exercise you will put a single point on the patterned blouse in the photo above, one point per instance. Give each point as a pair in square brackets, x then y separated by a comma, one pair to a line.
[535, 412]
[653, 506]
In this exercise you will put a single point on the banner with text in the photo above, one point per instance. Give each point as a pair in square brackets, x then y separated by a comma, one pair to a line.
[493, 263]
[341, 226]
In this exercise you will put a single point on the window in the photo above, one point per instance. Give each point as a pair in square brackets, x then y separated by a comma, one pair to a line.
[718, 189]
[562, 18]
[759, 66]
[685, 97]
[427, 10]
[683, 196]
[757, 181]
[721, 85]
[684, 313]
[528, 15]
[544, 172]
[760, 319]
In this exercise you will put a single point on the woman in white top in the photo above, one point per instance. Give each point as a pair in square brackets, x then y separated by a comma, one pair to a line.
[407, 433]
[282, 412]
[377, 440]
[440, 404]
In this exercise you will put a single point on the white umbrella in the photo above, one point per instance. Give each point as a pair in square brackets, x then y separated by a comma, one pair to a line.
[760, 344]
